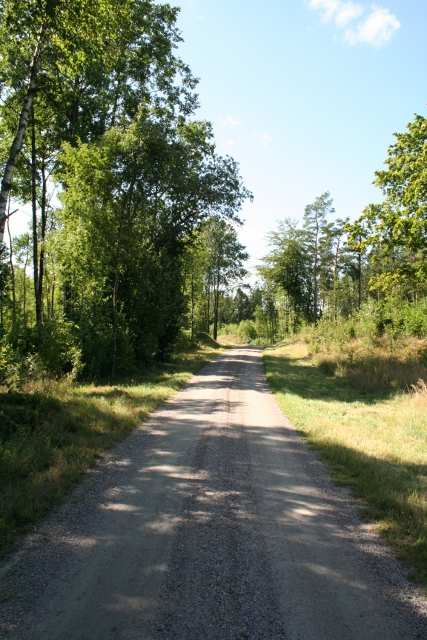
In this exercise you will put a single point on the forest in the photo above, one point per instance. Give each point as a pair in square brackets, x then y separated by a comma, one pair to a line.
[99, 138]
[132, 272]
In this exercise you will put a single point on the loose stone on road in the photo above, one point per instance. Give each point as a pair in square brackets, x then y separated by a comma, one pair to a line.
[212, 521]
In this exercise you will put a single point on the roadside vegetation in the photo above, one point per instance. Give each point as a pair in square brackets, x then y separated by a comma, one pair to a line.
[374, 437]
[52, 431]
[345, 303]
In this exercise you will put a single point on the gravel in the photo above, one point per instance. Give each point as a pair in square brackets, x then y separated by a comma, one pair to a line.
[214, 520]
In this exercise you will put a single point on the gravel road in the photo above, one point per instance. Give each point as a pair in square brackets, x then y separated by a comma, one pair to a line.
[214, 521]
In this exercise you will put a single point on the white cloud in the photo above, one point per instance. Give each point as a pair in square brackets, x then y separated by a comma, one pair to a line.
[376, 29]
[337, 11]
[347, 12]
[230, 121]
[326, 7]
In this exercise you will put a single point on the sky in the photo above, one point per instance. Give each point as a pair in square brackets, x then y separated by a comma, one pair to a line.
[306, 95]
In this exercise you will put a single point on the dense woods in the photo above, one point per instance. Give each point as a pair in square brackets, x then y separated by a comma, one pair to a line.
[100, 139]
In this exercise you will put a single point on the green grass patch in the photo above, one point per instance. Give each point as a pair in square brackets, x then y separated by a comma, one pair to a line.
[51, 432]
[374, 441]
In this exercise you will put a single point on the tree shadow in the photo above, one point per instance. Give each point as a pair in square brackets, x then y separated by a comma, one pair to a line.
[206, 529]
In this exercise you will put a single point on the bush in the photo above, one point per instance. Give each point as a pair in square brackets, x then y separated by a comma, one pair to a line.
[12, 370]
[59, 353]
[247, 331]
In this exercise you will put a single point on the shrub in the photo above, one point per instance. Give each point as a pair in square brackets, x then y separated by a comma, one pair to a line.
[247, 331]
[11, 367]
[59, 353]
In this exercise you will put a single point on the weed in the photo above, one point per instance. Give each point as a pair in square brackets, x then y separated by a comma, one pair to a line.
[374, 437]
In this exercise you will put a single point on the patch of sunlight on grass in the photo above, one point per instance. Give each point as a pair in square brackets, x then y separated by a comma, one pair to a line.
[374, 441]
[51, 432]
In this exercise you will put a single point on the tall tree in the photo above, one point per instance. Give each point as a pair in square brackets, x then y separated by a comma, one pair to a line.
[398, 226]
[315, 221]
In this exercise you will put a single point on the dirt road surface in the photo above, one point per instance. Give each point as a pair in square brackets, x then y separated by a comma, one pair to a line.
[214, 521]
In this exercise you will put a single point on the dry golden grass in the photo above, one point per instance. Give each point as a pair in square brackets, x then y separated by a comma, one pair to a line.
[383, 365]
[375, 439]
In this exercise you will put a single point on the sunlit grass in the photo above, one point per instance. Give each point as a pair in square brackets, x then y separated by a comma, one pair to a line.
[374, 441]
[51, 432]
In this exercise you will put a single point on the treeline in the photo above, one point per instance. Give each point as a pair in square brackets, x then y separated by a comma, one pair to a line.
[327, 268]
[133, 212]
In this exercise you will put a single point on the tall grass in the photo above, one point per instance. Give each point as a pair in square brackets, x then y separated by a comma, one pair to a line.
[371, 433]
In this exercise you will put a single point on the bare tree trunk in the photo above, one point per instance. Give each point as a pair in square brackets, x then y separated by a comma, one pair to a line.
[216, 307]
[208, 307]
[52, 298]
[12, 270]
[18, 140]
[24, 291]
[337, 252]
[359, 280]
[114, 301]
[34, 216]
[192, 306]
[43, 221]
[316, 274]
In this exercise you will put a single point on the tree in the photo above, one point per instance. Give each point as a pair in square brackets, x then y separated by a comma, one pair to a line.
[315, 225]
[397, 228]
[131, 206]
[89, 65]
[224, 264]
[287, 266]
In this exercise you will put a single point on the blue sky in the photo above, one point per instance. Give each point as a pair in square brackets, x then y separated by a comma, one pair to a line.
[306, 95]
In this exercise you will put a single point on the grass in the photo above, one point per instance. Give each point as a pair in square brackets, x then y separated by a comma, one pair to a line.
[374, 440]
[51, 432]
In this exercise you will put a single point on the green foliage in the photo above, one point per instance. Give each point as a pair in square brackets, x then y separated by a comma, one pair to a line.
[247, 330]
[214, 264]
[375, 321]
[11, 367]
[59, 351]
[396, 230]
[111, 128]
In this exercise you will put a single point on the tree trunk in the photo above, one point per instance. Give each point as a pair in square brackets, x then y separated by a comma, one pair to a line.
[24, 291]
[18, 140]
[208, 308]
[115, 345]
[359, 280]
[12, 271]
[34, 216]
[192, 306]
[52, 299]
[216, 307]
[43, 221]
[316, 275]
[337, 252]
